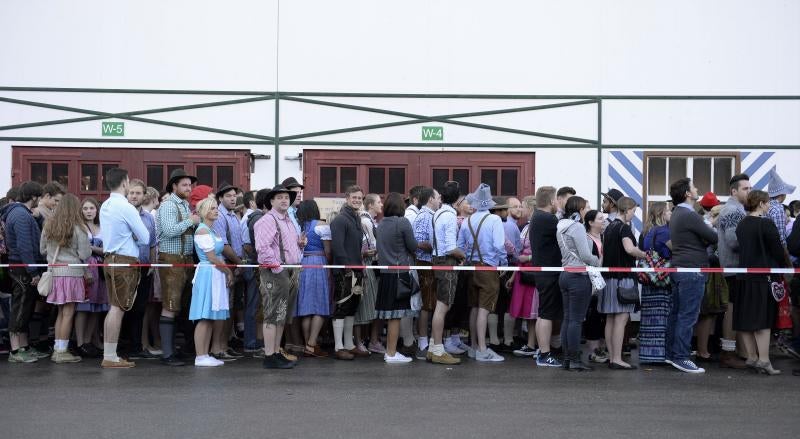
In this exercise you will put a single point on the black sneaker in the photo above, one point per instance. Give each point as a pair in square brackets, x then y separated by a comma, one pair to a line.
[141, 355]
[172, 360]
[276, 361]
[234, 353]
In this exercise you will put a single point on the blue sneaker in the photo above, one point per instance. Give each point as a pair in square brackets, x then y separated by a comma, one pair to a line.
[685, 366]
[547, 360]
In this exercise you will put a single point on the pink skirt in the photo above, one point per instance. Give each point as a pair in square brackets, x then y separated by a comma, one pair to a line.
[524, 300]
[67, 289]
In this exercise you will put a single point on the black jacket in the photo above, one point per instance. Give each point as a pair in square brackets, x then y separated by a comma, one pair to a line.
[793, 240]
[346, 236]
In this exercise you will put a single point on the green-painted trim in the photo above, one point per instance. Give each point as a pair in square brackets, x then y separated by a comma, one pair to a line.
[277, 137]
[124, 116]
[401, 95]
[444, 116]
[136, 91]
[422, 118]
[599, 154]
[117, 140]
[642, 146]
[138, 112]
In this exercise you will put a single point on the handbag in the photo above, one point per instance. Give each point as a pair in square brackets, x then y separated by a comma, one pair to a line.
[45, 285]
[527, 277]
[628, 291]
[778, 290]
[598, 283]
[658, 279]
[406, 286]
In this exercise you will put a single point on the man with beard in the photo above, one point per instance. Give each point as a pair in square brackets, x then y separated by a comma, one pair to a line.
[22, 234]
[728, 249]
[278, 243]
[175, 226]
[346, 236]
[147, 254]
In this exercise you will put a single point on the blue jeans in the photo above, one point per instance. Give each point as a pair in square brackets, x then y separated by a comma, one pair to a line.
[688, 290]
[576, 293]
[251, 300]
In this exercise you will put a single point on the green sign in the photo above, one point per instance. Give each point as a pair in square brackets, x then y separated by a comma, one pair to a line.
[113, 128]
[432, 133]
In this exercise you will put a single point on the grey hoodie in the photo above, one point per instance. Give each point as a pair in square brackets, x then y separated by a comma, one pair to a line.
[574, 245]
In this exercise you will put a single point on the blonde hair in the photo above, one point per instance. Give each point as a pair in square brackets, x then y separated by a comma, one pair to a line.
[150, 195]
[206, 206]
[655, 215]
[530, 202]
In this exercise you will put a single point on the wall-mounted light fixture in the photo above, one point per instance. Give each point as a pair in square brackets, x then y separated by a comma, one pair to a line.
[254, 157]
[295, 158]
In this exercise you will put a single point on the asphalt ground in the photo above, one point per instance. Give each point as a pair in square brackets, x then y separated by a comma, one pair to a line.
[367, 398]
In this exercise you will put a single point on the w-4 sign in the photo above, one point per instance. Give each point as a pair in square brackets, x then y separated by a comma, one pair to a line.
[113, 128]
[432, 133]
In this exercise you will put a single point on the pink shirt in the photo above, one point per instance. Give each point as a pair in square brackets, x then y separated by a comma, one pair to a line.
[267, 246]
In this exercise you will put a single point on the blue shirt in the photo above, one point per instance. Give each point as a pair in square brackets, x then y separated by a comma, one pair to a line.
[144, 247]
[491, 239]
[245, 232]
[423, 231]
[446, 228]
[513, 235]
[121, 227]
[229, 230]
[293, 217]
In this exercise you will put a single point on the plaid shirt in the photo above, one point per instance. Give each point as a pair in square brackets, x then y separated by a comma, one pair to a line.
[170, 229]
[423, 231]
[778, 216]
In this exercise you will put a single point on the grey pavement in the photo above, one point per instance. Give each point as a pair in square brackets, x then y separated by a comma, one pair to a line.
[367, 398]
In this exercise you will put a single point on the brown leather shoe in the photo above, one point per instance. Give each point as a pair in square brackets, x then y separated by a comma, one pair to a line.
[316, 351]
[121, 364]
[342, 354]
[731, 361]
[287, 355]
[358, 352]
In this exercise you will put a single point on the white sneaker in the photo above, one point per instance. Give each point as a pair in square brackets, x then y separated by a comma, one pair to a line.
[207, 361]
[452, 348]
[396, 359]
[471, 352]
[488, 356]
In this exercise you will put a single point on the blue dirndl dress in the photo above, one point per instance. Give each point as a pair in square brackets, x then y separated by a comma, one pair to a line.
[313, 297]
[208, 280]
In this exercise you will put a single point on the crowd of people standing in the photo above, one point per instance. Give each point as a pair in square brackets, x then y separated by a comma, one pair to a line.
[231, 291]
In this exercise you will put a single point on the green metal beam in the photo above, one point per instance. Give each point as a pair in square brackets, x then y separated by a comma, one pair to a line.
[106, 115]
[444, 116]
[421, 118]
[134, 113]
[117, 140]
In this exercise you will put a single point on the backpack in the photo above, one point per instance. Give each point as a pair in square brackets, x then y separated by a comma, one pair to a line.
[251, 223]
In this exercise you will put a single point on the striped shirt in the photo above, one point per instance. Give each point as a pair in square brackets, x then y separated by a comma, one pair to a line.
[173, 221]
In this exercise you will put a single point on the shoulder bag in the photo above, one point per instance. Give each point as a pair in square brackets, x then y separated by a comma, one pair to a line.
[658, 279]
[45, 285]
[598, 283]
[407, 285]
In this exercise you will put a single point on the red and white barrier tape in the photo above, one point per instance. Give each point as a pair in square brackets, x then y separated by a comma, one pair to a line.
[451, 268]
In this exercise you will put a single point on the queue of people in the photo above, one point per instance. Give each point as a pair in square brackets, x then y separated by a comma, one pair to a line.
[205, 308]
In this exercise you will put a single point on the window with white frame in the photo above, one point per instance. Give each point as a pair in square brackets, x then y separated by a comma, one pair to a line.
[710, 172]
